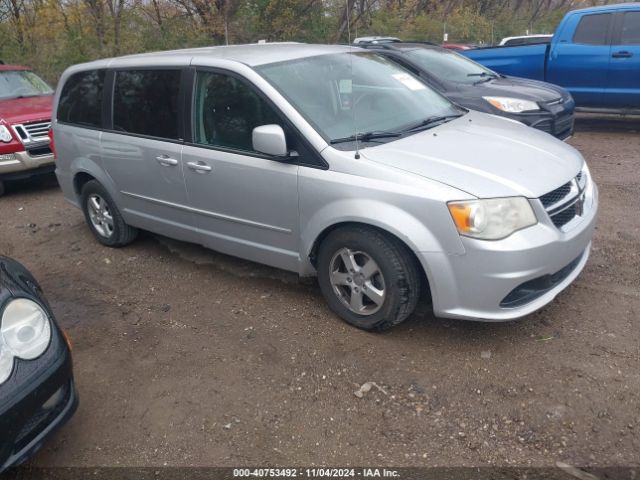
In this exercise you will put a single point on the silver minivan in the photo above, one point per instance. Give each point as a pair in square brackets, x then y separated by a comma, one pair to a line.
[328, 161]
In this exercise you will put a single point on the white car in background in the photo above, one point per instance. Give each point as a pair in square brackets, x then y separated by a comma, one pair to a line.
[525, 40]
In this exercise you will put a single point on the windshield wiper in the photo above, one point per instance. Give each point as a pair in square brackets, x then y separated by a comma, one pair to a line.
[481, 74]
[486, 77]
[365, 137]
[430, 122]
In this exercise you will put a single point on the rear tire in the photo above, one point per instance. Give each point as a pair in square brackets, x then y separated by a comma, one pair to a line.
[369, 278]
[1, 188]
[104, 218]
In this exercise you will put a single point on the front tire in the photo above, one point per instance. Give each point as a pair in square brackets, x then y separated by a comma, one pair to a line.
[104, 218]
[1, 188]
[369, 278]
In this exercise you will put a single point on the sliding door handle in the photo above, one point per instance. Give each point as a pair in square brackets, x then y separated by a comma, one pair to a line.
[199, 167]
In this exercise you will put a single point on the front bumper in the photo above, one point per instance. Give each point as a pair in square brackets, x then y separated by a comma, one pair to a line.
[480, 284]
[555, 119]
[560, 127]
[24, 164]
[34, 409]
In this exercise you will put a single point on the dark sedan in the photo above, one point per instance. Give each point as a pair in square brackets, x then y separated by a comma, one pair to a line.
[37, 393]
[540, 105]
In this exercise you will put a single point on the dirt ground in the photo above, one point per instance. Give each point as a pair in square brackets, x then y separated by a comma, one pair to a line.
[187, 357]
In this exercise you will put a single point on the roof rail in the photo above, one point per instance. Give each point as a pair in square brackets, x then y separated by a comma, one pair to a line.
[373, 46]
[395, 45]
[422, 42]
[375, 40]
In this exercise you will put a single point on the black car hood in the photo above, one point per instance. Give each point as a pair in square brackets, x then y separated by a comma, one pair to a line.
[515, 88]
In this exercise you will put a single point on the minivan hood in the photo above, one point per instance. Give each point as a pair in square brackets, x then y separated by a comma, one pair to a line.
[28, 109]
[484, 155]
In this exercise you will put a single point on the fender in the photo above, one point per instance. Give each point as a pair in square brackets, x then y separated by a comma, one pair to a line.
[388, 217]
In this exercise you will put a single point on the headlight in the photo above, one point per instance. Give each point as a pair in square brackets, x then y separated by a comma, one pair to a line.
[25, 332]
[492, 219]
[585, 169]
[5, 134]
[512, 105]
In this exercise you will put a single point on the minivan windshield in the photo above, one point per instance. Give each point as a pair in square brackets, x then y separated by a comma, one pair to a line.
[344, 93]
[22, 83]
[450, 66]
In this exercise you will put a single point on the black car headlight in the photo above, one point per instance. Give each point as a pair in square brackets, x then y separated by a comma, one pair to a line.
[513, 105]
[25, 332]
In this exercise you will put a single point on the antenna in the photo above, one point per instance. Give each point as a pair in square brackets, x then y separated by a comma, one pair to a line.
[353, 104]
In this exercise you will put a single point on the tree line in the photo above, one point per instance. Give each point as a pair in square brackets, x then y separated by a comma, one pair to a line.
[50, 35]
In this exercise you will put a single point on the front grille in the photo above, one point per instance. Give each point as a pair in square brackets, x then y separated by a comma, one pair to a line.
[560, 128]
[564, 217]
[565, 202]
[33, 133]
[545, 126]
[38, 129]
[553, 197]
[560, 124]
[563, 126]
[39, 151]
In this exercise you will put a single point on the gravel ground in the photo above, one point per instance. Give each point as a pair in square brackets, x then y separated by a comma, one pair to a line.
[187, 357]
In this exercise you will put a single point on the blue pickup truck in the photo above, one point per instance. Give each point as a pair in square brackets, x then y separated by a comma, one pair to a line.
[594, 53]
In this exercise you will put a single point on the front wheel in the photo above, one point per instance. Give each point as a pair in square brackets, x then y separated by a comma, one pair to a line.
[369, 278]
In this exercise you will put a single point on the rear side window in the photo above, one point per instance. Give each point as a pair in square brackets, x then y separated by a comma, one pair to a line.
[631, 29]
[593, 29]
[81, 99]
[145, 102]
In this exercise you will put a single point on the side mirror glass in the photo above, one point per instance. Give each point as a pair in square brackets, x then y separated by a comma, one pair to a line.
[270, 139]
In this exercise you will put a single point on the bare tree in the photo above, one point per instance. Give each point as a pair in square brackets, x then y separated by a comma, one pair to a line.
[116, 7]
[213, 15]
[97, 12]
[228, 9]
[352, 13]
[13, 11]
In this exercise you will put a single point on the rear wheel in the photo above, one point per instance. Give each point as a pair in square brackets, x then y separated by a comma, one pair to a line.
[104, 218]
[369, 278]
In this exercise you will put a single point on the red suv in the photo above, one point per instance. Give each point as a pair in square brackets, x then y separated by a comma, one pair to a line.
[25, 118]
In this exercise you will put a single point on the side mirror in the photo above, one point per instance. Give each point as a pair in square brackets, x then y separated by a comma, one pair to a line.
[270, 139]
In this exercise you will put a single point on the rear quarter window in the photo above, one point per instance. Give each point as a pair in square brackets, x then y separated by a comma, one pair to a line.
[81, 99]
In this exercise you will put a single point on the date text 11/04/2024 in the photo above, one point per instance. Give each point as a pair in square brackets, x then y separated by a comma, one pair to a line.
[315, 473]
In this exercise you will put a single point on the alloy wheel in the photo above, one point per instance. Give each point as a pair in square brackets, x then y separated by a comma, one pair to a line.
[357, 281]
[100, 215]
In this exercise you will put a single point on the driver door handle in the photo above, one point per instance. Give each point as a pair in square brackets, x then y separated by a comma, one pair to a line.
[166, 161]
[199, 167]
[622, 54]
